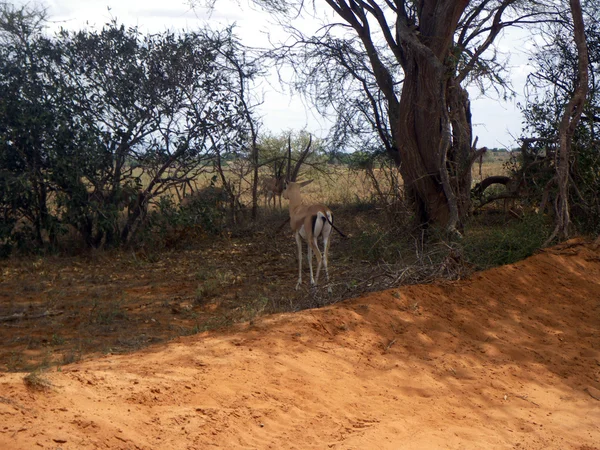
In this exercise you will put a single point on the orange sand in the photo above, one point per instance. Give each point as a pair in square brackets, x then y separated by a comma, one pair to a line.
[507, 359]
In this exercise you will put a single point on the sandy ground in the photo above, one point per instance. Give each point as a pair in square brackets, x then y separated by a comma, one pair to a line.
[507, 359]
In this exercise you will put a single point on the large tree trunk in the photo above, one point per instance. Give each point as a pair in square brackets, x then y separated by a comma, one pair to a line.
[423, 126]
[462, 153]
[421, 130]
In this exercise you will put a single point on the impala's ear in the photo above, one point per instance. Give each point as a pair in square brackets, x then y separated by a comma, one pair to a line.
[304, 183]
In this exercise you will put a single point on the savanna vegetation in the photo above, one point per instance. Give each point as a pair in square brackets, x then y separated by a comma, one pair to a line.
[134, 168]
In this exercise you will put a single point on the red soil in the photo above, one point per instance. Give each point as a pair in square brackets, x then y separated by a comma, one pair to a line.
[507, 359]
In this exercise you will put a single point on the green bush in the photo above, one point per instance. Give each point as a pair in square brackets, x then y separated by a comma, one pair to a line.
[171, 223]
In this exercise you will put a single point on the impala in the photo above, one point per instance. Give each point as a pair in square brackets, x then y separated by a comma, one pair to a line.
[272, 188]
[308, 222]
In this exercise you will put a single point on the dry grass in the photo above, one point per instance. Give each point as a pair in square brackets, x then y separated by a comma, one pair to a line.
[36, 381]
[121, 301]
[493, 164]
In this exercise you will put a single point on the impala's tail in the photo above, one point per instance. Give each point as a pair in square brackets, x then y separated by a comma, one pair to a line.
[325, 218]
[334, 227]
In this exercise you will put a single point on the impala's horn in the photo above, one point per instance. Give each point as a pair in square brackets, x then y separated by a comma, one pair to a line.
[289, 159]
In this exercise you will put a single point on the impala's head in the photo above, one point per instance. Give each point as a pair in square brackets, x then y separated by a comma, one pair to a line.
[287, 187]
[291, 187]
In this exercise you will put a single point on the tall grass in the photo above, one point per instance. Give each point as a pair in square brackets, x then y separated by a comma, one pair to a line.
[492, 164]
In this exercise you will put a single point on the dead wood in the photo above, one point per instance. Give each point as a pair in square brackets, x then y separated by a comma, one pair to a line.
[25, 316]
[497, 197]
[496, 179]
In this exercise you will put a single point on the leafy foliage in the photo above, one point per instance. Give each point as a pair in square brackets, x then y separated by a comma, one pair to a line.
[97, 125]
[551, 86]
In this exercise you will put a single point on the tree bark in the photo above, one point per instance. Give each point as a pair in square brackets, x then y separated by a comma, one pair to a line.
[462, 153]
[423, 125]
[494, 179]
[568, 123]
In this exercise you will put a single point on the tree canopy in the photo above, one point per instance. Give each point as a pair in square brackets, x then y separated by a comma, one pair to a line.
[395, 73]
[97, 123]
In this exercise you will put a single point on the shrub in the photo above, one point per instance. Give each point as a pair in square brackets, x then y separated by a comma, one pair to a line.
[504, 243]
[169, 224]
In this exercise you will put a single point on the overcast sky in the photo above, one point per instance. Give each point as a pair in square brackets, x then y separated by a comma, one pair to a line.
[497, 123]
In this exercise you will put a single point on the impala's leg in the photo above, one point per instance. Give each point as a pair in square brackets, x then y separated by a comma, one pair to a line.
[326, 234]
[326, 258]
[326, 255]
[318, 226]
[314, 224]
[299, 245]
[319, 257]
[312, 278]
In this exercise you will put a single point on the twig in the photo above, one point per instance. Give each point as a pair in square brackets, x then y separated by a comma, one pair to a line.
[18, 431]
[497, 197]
[25, 316]
[392, 342]
[524, 397]
[592, 395]
[323, 326]
[282, 225]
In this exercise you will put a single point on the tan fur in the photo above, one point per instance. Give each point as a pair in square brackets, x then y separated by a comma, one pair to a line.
[302, 215]
[272, 187]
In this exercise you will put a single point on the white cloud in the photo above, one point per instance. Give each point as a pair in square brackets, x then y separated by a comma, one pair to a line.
[494, 121]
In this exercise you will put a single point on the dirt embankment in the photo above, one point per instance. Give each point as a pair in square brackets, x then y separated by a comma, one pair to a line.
[507, 359]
